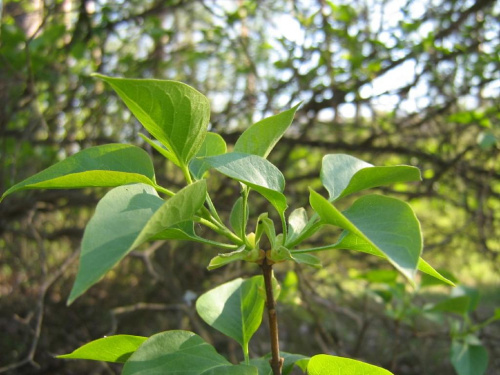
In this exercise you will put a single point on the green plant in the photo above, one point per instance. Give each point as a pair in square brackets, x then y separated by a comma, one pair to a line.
[133, 213]
[467, 354]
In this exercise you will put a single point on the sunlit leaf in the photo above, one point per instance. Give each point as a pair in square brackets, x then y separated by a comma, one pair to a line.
[328, 365]
[386, 224]
[213, 145]
[260, 138]
[116, 348]
[174, 113]
[255, 172]
[344, 174]
[108, 165]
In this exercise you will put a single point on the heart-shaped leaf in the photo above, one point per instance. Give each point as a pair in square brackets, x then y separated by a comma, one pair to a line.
[125, 218]
[255, 172]
[234, 308]
[344, 174]
[327, 365]
[180, 352]
[387, 224]
[260, 138]
[213, 145]
[174, 113]
[108, 165]
[108, 349]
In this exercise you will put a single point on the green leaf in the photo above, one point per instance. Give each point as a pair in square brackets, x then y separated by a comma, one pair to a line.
[239, 217]
[234, 308]
[323, 364]
[125, 218]
[385, 224]
[260, 138]
[425, 267]
[344, 174]
[458, 305]
[161, 149]
[471, 293]
[297, 222]
[290, 360]
[108, 165]
[178, 209]
[255, 172]
[225, 258]
[174, 113]
[108, 349]
[429, 280]
[468, 359]
[213, 145]
[308, 259]
[233, 370]
[178, 352]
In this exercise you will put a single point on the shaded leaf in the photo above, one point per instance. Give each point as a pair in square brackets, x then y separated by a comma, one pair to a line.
[234, 308]
[239, 218]
[174, 113]
[290, 360]
[344, 174]
[176, 352]
[125, 218]
[108, 349]
[260, 138]
[458, 305]
[328, 365]
[468, 359]
[108, 166]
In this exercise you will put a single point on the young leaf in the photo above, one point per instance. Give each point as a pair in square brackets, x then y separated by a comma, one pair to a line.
[108, 165]
[260, 138]
[125, 218]
[239, 218]
[344, 174]
[174, 113]
[213, 145]
[387, 224]
[327, 365]
[297, 221]
[234, 308]
[108, 349]
[226, 258]
[179, 352]
[468, 359]
[255, 172]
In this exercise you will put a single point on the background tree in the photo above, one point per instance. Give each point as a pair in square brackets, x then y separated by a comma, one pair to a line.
[411, 82]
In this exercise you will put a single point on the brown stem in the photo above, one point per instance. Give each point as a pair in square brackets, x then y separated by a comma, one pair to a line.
[276, 361]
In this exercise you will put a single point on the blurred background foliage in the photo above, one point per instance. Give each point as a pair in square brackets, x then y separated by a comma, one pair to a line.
[389, 81]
